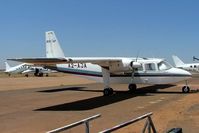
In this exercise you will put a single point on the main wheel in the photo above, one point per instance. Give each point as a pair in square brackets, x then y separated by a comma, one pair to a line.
[108, 91]
[41, 74]
[132, 87]
[185, 89]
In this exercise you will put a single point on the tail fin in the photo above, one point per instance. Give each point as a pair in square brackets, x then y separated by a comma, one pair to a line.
[7, 66]
[177, 61]
[194, 58]
[53, 49]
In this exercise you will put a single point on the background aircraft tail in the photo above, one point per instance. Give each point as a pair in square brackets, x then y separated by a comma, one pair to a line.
[177, 61]
[7, 66]
[53, 49]
[194, 58]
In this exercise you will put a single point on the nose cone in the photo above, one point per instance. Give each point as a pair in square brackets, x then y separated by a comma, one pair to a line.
[185, 73]
[181, 73]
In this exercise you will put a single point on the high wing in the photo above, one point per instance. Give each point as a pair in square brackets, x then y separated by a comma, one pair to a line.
[102, 61]
[41, 61]
[55, 55]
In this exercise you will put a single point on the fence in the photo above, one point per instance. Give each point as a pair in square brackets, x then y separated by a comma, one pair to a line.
[84, 121]
[148, 125]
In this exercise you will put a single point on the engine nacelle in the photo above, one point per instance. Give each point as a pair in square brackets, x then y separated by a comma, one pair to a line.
[135, 65]
[125, 66]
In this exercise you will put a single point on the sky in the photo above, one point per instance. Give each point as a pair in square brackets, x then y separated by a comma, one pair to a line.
[100, 28]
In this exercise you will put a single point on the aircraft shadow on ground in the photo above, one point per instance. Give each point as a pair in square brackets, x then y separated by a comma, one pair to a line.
[142, 90]
[99, 101]
[63, 89]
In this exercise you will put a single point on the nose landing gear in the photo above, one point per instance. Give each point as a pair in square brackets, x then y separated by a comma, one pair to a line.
[186, 88]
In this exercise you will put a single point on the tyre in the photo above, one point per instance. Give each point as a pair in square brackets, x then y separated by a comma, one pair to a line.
[185, 89]
[132, 87]
[108, 91]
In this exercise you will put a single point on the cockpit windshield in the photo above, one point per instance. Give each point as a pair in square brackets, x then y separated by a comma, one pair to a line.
[163, 65]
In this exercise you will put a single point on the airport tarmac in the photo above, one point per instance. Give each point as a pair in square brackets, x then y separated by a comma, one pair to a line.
[33, 105]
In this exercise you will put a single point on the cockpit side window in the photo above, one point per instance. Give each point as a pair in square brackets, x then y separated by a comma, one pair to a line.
[164, 65]
[150, 67]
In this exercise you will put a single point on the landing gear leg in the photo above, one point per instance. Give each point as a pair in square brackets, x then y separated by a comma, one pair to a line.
[186, 88]
[106, 79]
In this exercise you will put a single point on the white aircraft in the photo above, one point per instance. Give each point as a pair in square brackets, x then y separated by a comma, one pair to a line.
[190, 66]
[37, 71]
[16, 69]
[109, 70]
[26, 69]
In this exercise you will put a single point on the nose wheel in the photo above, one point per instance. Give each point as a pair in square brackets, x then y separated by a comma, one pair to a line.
[185, 89]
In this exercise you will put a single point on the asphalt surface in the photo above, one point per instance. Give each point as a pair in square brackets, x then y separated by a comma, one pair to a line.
[42, 109]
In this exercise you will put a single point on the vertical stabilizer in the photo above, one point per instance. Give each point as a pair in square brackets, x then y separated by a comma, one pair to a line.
[7, 66]
[194, 58]
[53, 49]
[177, 61]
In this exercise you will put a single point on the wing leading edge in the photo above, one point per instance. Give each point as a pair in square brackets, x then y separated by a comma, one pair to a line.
[52, 61]
[41, 61]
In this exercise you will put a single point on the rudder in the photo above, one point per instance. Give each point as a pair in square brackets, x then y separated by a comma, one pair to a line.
[7, 66]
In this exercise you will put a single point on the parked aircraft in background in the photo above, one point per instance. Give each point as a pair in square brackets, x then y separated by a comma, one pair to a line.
[37, 71]
[26, 69]
[194, 58]
[16, 69]
[109, 70]
[194, 67]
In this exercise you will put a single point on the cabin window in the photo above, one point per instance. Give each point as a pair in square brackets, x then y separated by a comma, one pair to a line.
[150, 67]
[194, 66]
[191, 66]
